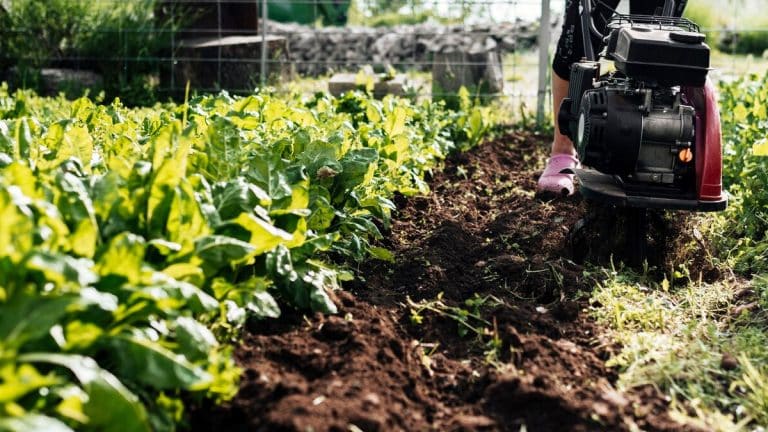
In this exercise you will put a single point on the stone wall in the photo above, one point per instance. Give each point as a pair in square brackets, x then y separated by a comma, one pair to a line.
[329, 49]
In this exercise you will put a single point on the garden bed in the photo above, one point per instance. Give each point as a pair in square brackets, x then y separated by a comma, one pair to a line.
[479, 257]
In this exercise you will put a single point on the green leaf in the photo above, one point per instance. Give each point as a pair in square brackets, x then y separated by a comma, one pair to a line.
[279, 263]
[219, 251]
[382, 254]
[154, 366]
[320, 154]
[238, 196]
[92, 296]
[110, 403]
[268, 173]
[394, 124]
[740, 113]
[356, 165]
[187, 272]
[17, 225]
[80, 335]
[760, 148]
[263, 305]
[5, 160]
[161, 195]
[77, 209]
[195, 340]
[251, 294]
[32, 422]
[314, 245]
[186, 220]
[123, 257]
[62, 269]
[264, 236]
[19, 380]
[27, 318]
[23, 139]
[197, 300]
[310, 288]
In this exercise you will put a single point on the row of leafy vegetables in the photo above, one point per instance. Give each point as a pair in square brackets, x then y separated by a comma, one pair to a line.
[742, 232]
[134, 242]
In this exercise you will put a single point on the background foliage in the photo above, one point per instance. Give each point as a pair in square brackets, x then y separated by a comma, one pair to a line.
[743, 229]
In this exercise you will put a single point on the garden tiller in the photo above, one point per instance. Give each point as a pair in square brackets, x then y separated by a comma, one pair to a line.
[648, 132]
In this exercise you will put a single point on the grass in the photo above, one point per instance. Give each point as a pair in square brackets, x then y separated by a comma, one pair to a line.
[680, 339]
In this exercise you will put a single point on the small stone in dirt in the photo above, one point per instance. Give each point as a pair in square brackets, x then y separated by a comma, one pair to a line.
[369, 422]
[473, 422]
[729, 362]
[480, 264]
[372, 398]
[749, 307]
[601, 409]
[541, 309]
[614, 397]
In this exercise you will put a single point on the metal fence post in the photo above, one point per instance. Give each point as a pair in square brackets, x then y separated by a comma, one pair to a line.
[544, 39]
[264, 15]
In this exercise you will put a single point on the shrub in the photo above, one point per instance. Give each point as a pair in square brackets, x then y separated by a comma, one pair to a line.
[116, 38]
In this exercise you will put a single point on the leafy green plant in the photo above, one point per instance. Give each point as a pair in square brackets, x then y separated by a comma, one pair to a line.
[741, 231]
[134, 241]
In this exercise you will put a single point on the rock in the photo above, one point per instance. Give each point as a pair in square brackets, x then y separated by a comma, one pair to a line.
[351, 47]
[479, 71]
[729, 362]
[369, 422]
[473, 422]
[56, 80]
[344, 82]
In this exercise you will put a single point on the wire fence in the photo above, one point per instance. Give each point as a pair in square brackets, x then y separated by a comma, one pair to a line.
[145, 50]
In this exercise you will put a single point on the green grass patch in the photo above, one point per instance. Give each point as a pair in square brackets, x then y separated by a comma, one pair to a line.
[692, 342]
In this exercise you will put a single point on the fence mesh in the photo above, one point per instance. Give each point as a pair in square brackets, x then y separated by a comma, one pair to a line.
[145, 49]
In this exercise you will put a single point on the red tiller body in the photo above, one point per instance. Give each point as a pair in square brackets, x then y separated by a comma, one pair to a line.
[709, 154]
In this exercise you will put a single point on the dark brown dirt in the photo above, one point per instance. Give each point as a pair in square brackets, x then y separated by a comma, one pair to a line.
[393, 359]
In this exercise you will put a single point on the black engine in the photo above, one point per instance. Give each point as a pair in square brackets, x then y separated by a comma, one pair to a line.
[634, 121]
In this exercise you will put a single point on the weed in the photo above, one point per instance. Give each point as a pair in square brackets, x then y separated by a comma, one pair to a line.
[469, 319]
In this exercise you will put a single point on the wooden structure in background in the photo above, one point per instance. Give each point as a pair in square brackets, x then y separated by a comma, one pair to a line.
[218, 46]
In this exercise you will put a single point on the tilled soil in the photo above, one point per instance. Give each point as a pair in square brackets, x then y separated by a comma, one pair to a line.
[397, 356]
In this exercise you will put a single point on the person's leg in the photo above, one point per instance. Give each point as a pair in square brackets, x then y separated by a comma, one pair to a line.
[570, 49]
[561, 143]
[562, 154]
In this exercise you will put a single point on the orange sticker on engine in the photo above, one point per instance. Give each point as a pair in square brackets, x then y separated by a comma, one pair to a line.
[686, 155]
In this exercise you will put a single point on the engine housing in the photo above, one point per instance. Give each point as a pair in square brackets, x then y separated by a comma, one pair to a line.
[641, 134]
[634, 122]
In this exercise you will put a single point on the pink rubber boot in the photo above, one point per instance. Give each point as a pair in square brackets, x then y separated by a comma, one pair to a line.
[557, 178]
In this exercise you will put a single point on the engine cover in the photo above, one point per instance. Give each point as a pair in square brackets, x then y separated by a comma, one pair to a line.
[643, 135]
[653, 54]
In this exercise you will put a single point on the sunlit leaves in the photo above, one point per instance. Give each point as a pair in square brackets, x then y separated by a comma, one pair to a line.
[130, 239]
